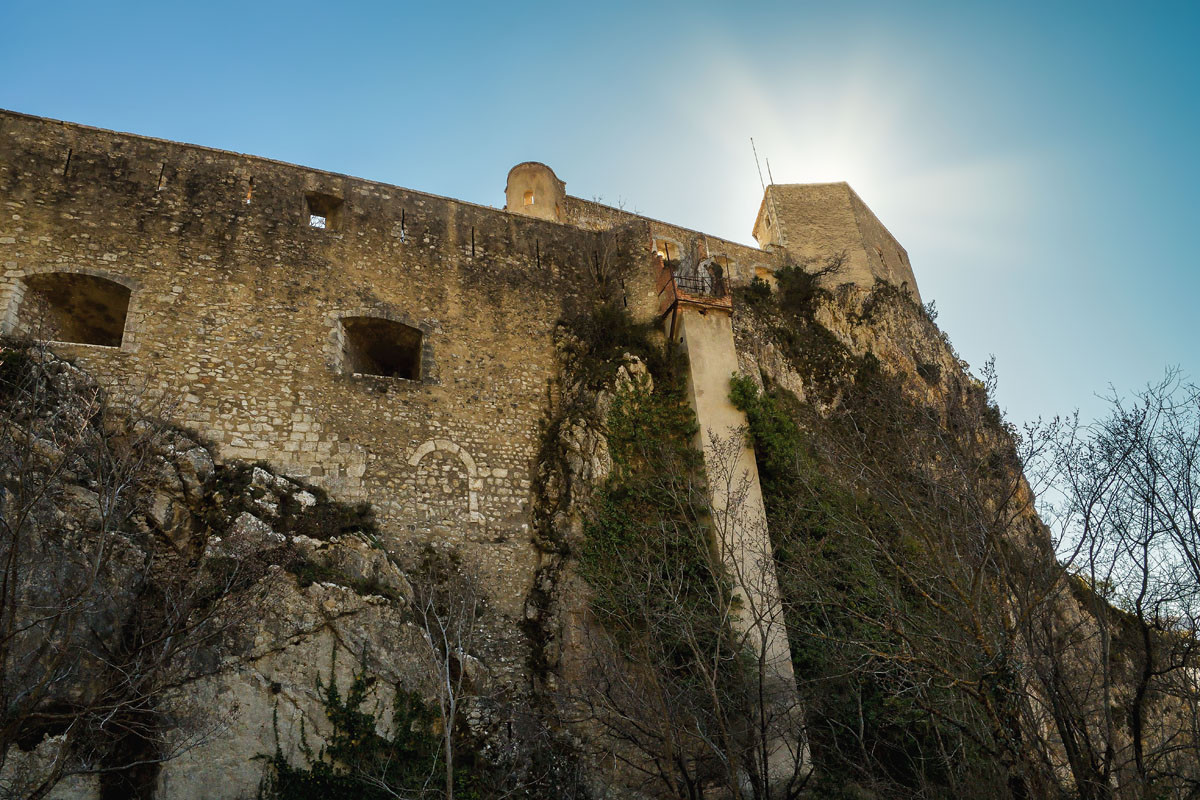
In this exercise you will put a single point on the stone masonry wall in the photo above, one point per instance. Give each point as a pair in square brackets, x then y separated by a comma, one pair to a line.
[814, 221]
[744, 260]
[236, 301]
[234, 320]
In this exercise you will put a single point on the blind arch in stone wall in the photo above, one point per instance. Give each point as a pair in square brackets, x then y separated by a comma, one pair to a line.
[473, 483]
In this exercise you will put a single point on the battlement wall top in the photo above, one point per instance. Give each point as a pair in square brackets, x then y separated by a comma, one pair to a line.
[813, 220]
[746, 261]
[32, 132]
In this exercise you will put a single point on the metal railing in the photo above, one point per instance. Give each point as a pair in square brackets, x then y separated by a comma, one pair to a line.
[704, 286]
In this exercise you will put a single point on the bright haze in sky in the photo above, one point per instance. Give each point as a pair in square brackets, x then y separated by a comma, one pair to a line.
[1037, 160]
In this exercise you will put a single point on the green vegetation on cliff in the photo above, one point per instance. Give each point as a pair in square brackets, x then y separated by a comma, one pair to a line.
[669, 684]
[941, 646]
[906, 666]
[362, 758]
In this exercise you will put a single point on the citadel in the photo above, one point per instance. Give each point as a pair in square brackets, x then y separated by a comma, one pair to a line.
[388, 345]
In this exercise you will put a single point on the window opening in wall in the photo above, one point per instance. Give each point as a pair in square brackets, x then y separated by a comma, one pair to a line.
[250, 190]
[668, 251]
[67, 165]
[73, 307]
[721, 269]
[529, 198]
[162, 171]
[713, 274]
[324, 210]
[376, 346]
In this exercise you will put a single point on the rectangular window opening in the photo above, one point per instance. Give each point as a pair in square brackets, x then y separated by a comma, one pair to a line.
[324, 210]
[375, 346]
[75, 308]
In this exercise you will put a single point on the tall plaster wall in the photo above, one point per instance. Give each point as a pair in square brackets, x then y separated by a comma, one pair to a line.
[739, 515]
[707, 340]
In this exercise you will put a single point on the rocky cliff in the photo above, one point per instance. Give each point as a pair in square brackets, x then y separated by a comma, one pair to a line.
[181, 627]
[172, 621]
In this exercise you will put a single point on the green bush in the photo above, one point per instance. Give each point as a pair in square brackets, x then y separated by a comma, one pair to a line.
[799, 291]
[609, 332]
[758, 292]
[652, 508]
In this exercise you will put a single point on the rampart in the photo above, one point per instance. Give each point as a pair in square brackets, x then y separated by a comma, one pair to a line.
[236, 305]
[391, 345]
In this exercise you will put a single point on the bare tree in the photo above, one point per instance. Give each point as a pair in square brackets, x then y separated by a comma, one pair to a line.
[447, 604]
[1128, 493]
[910, 557]
[99, 620]
[679, 674]
[776, 752]
[916, 562]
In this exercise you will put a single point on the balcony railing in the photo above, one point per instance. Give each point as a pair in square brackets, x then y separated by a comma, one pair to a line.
[703, 290]
[701, 286]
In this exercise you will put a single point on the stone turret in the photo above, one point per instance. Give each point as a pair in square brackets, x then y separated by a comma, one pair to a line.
[535, 191]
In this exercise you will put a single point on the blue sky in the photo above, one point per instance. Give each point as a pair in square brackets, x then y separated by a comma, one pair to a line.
[1038, 160]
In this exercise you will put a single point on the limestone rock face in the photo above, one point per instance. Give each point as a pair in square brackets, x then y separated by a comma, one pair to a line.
[262, 587]
[880, 321]
[364, 564]
[263, 695]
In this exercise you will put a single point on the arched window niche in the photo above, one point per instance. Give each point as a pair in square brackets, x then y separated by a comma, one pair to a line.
[766, 274]
[669, 251]
[73, 308]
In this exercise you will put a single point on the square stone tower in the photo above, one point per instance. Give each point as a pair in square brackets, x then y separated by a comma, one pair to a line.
[817, 220]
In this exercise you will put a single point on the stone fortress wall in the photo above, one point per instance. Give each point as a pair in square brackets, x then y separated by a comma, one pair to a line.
[254, 296]
[813, 221]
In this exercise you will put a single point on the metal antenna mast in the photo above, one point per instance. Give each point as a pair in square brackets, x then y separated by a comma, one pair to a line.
[769, 175]
[757, 165]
